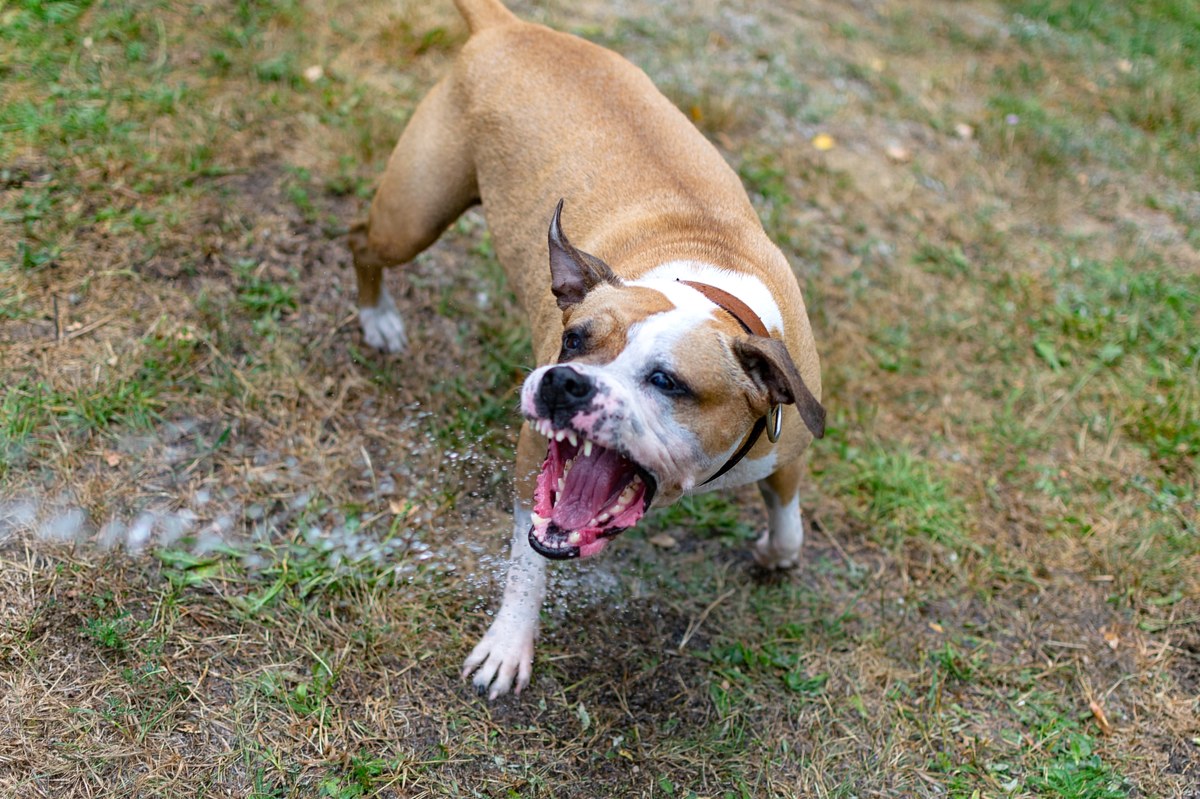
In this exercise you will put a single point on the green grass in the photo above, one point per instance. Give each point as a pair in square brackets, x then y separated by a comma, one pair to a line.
[1160, 42]
[901, 496]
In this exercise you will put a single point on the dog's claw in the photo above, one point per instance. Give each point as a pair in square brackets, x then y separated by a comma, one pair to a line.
[503, 660]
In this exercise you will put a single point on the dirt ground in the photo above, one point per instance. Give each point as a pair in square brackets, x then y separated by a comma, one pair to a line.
[243, 555]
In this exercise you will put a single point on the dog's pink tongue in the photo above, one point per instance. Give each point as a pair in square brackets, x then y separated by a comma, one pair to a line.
[590, 484]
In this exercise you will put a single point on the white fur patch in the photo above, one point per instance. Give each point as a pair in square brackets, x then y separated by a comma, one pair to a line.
[779, 547]
[503, 659]
[382, 326]
[747, 288]
[748, 470]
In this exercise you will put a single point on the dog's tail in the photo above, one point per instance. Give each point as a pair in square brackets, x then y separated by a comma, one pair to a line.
[481, 14]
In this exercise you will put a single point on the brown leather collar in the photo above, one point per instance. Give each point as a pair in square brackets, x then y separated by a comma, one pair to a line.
[753, 324]
[739, 310]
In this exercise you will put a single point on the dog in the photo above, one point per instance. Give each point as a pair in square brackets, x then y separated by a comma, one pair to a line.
[674, 351]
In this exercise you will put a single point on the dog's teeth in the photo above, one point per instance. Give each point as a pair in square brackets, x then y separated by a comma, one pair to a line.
[587, 447]
[562, 484]
[567, 467]
[538, 521]
[560, 435]
[592, 522]
[602, 518]
[618, 509]
[627, 494]
[574, 538]
[572, 439]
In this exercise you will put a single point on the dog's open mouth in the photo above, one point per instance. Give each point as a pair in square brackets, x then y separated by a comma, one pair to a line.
[586, 494]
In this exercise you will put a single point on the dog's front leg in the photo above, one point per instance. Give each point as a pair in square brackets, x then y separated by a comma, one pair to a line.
[779, 546]
[506, 650]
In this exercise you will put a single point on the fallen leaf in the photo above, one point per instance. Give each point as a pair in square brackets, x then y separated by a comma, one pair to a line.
[112, 458]
[1111, 638]
[937, 628]
[1101, 719]
[898, 153]
[314, 73]
[664, 540]
[823, 142]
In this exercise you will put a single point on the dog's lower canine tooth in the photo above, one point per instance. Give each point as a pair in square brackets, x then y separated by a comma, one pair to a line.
[587, 448]
[562, 484]
[537, 520]
[574, 538]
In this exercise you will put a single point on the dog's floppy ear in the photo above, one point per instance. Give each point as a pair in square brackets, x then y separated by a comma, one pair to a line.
[573, 273]
[771, 368]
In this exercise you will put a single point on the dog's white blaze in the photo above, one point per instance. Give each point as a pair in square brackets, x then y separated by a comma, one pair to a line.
[649, 342]
[747, 288]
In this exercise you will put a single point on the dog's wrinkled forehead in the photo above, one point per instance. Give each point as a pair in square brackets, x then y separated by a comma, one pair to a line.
[634, 324]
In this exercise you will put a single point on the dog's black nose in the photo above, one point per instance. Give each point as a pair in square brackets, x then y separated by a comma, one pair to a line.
[563, 390]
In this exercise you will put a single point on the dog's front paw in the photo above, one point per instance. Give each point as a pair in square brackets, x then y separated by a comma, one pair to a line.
[382, 326]
[505, 654]
[770, 555]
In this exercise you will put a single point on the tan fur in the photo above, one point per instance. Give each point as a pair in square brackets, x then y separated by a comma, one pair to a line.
[528, 115]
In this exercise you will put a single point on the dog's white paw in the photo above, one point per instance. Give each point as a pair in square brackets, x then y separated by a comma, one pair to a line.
[770, 555]
[503, 658]
[382, 326]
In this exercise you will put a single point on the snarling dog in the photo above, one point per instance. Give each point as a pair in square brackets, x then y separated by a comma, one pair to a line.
[675, 353]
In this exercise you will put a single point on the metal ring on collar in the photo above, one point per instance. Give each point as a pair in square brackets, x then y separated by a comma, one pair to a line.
[775, 426]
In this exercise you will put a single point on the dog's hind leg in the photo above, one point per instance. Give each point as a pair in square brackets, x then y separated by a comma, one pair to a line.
[779, 546]
[428, 183]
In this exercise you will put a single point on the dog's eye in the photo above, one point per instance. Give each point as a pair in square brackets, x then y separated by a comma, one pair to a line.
[666, 382]
[572, 341]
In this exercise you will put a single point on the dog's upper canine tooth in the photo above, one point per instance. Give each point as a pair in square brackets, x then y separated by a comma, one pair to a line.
[536, 519]
[587, 448]
[560, 435]
[572, 439]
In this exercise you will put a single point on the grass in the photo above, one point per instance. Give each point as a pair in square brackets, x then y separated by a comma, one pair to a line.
[242, 554]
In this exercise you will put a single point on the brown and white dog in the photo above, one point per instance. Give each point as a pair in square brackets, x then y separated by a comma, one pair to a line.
[669, 331]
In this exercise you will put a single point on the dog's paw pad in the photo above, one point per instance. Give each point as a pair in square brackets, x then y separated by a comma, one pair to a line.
[770, 557]
[382, 326]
